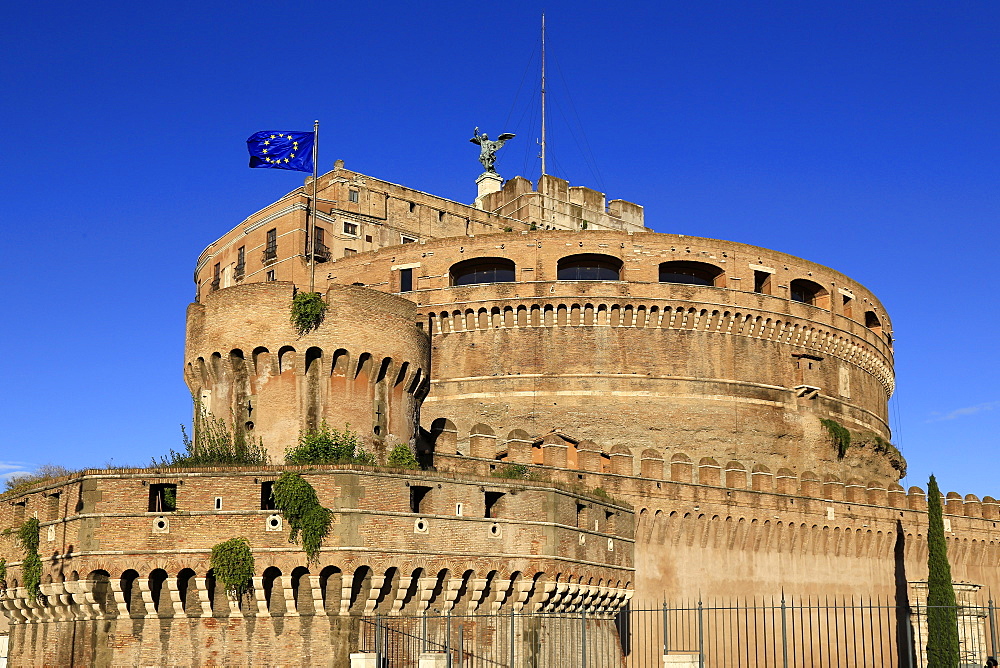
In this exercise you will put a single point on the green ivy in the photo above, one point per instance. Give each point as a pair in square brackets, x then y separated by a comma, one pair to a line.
[329, 446]
[513, 471]
[308, 310]
[401, 458]
[298, 503]
[233, 565]
[3, 575]
[839, 434]
[31, 566]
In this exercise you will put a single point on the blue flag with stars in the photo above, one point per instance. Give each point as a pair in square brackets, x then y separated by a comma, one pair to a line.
[281, 149]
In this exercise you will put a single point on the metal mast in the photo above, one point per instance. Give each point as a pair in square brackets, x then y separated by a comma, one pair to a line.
[543, 93]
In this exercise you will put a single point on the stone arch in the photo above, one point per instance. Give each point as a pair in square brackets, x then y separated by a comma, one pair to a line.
[262, 361]
[101, 590]
[736, 475]
[680, 467]
[187, 591]
[273, 595]
[361, 584]
[286, 359]
[341, 362]
[364, 366]
[314, 359]
[651, 464]
[480, 270]
[158, 594]
[709, 472]
[588, 267]
[302, 595]
[444, 435]
[519, 447]
[691, 272]
[482, 441]
[331, 588]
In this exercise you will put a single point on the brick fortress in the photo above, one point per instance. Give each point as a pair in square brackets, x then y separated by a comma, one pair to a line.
[542, 326]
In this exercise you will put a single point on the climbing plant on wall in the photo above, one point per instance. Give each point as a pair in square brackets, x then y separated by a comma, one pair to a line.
[233, 565]
[3, 575]
[298, 503]
[31, 565]
[324, 445]
[308, 310]
[401, 458]
[839, 434]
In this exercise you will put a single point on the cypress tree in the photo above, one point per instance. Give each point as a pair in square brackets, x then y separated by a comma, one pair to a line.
[942, 617]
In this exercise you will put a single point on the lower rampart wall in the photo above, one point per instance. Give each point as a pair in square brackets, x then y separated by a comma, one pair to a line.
[723, 531]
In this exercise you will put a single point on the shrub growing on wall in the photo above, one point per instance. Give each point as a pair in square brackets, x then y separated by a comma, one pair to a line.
[401, 458]
[298, 503]
[233, 565]
[328, 446]
[3, 575]
[942, 616]
[839, 434]
[215, 444]
[308, 311]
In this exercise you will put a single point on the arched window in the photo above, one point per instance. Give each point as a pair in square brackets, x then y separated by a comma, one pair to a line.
[808, 292]
[483, 270]
[692, 273]
[872, 322]
[589, 267]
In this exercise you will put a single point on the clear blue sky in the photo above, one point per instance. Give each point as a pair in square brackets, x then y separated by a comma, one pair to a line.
[861, 135]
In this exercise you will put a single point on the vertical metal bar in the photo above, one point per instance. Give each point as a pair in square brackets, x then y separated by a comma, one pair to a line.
[447, 638]
[583, 639]
[666, 642]
[908, 628]
[461, 646]
[701, 635]
[784, 632]
[511, 656]
[423, 633]
[993, 628]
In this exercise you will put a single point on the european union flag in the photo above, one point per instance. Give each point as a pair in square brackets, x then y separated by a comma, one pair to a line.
[281, 149]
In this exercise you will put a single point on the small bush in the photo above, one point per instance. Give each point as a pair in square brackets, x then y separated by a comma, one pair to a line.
[514, 471]
[22, 481]
[329, 446]
[298, 503]
[839, 434]
[233, 565]
[308, 311]
[215, 443]
[401, 458]
[3, 575]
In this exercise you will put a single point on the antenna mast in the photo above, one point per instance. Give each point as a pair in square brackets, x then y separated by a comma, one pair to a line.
[543, 93]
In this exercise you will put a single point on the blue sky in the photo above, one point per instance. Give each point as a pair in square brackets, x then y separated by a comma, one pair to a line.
[861, 135]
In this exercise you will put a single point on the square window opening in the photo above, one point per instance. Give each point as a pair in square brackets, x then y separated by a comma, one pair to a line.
[405, 280]
[418, 494]
[352, 195]
[267, 495]
[492, 503]
[162, 498]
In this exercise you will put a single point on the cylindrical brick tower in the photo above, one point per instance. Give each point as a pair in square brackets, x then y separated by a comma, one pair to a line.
[365, 365]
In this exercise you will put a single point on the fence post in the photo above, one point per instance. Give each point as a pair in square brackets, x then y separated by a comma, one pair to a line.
[909, 636]
[993, 629]
[784, 632]
[447, 637]
[583, 639]
[511, 636]
[423, 633]
[461, 645]
[701, 635]
[666, 642]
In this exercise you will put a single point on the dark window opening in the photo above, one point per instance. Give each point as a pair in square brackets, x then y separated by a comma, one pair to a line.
[762, 282]
[805, 291]
[483, 270]
[270, 276]
[407, 240]
[352, 195]
[162, 498]
[267, 495]
[351, 228]
[589, 267]
[216, 276]
[241, 262]
[848, 305]
[405, 280]
[413, 207]
[320, 252]
[872, 322]
[492, 499]
[689, 272]
[417, 495]
[368, 238]
[580, 515]
[271, 248]
[53, 503]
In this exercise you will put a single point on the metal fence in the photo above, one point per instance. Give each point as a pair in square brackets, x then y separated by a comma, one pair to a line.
[767, 633]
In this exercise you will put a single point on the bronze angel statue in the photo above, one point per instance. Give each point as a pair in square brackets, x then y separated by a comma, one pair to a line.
[488, 149]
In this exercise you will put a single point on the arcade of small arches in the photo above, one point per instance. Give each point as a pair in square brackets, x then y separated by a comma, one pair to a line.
[324, 590]
[600, 267]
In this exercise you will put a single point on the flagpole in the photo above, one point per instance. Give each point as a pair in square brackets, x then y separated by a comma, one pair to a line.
[312, 210]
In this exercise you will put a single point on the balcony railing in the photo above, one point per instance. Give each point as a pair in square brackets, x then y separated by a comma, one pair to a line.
[321, 252]
[270, 255]
[215, 285]
[239, 271]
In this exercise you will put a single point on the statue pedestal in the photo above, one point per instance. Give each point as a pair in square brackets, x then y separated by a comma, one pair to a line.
[488, 182]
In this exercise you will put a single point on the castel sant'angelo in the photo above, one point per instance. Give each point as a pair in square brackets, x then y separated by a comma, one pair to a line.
[672, 399]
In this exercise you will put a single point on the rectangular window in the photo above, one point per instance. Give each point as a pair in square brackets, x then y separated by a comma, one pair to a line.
[216, 276]
[320, 236]
[762, 282]
[241, 262]
[492, 503]
[405, 280]
[848, 306]
[271, 248]
[417, 495]
[270, 275]
[266, 495]
[368, 238]
[349, 252]
[351, 228]
[407, 240]
[162, 498]
[352, 195]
